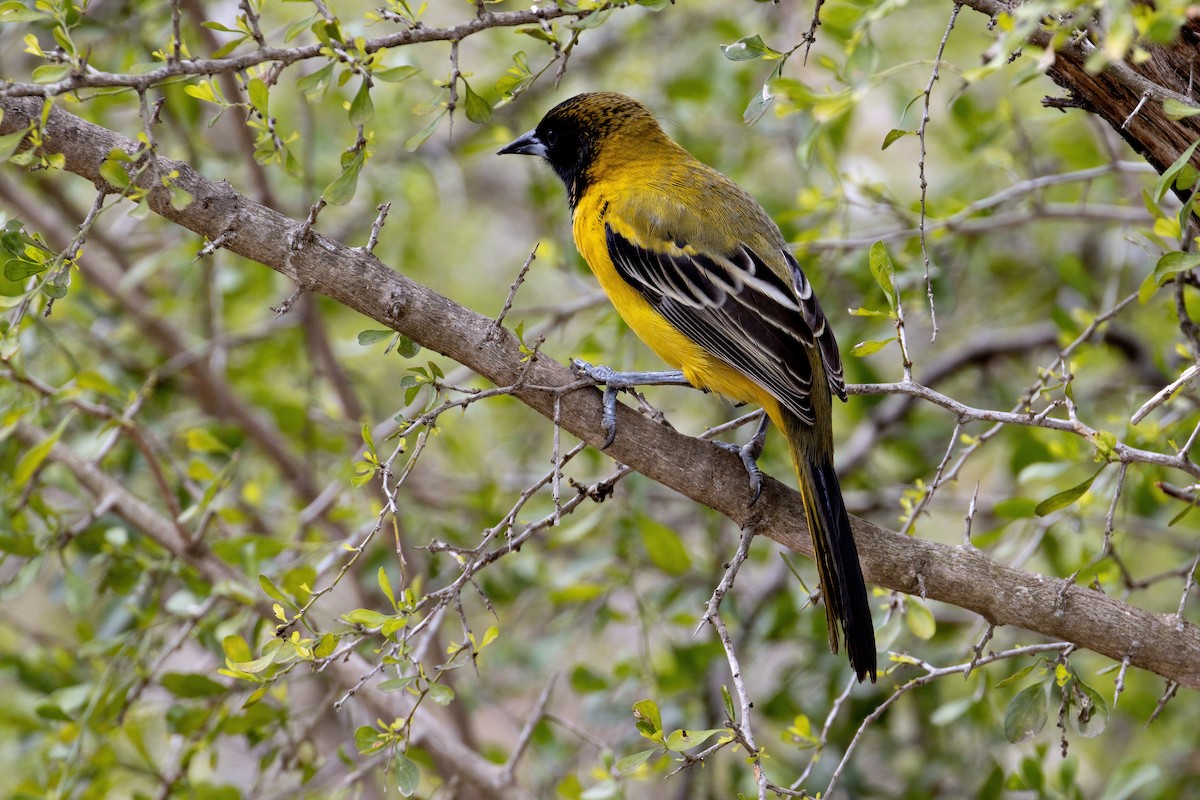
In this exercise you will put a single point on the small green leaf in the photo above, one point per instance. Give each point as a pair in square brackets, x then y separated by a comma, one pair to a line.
[259, 96]
[1018, 675]
[1169, 175]
[441, 694]
[257, 665]
[115, 173]
[406, 347]
[630, 763]
[478, 110]
[34, 456]
[758, 105]
[342, 189]
[1090, 715]
[385, 585]
[50, 73]
[748, 49]
[1026, 714]
[394, 74]
[368, 740]
[365, 617]
[664, 547]
[418, 138]
[869, 347]
[191, 685]
[314, 84]
[884, 271]
[235, 648]
[18, 269]
[727, 701]
[408, 774]
[1066, 497]
[679, 741]
[362, 108]
[1173, 109]
[272, 591]
[370, 337]
[1167, 267]
[892, 136]
[199, 440]
[919, 619]
[649, 720]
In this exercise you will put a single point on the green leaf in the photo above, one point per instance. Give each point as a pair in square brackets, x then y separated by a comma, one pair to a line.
[441, 694]
[362, 109]
[585, 681]
[385, 585]
[758, 106]
[394, 74]
[418, 138]
[341, 190]
[257, 665]
[1026, 714]
[314, 84]
[408, 774]
[631, 763]
[1167, 179]
[649, 720]
[869, 347]
[199, 440]
[883, 271]
[748, 49]
[370, 337]
[1066, 497]
[892, 136]
[191, 685]
[34, 456]
[478, 110]
[919, 619]
[1018, 675]
[272, 591]
[18, 269]
[11, 141]
[259, 96]
[679, 741]
[1173, 109]
[368, 740]
[236, 649]
[406, 347]
[17, 12]
[365, 617]
[664, 547]
[1090, 715]
[50, 73]
[727, 702]
[1166, 268]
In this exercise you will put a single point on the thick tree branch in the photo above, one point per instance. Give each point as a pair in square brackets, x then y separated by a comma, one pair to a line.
[963, 575]
[1128, 96]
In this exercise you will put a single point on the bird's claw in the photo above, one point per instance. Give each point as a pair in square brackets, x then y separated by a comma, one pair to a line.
[749, 453]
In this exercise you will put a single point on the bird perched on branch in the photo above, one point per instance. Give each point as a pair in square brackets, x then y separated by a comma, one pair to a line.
[703, 276]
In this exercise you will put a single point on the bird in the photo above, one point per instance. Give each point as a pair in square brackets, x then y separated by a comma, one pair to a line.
[703, 276]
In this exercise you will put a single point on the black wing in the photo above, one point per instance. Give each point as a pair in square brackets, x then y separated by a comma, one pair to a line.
[737, 308]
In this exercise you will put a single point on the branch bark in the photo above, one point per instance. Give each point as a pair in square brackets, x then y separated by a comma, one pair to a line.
[960, 575]
[1129, 96]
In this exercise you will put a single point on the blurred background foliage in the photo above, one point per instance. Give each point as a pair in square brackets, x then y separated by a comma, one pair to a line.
[1038, 222]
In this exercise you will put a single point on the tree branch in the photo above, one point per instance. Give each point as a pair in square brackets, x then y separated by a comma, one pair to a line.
[961, 575]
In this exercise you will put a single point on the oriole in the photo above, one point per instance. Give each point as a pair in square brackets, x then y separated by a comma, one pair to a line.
[703, 276]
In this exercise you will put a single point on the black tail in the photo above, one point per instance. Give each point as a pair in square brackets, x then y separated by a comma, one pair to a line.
[842, 585]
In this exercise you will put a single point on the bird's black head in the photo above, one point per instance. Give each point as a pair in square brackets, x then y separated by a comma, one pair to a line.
[573, 135]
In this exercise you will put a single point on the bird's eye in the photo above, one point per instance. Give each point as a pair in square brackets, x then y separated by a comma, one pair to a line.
[549, 137]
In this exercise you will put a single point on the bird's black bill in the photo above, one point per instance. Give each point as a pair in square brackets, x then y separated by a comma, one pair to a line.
[527, 144]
